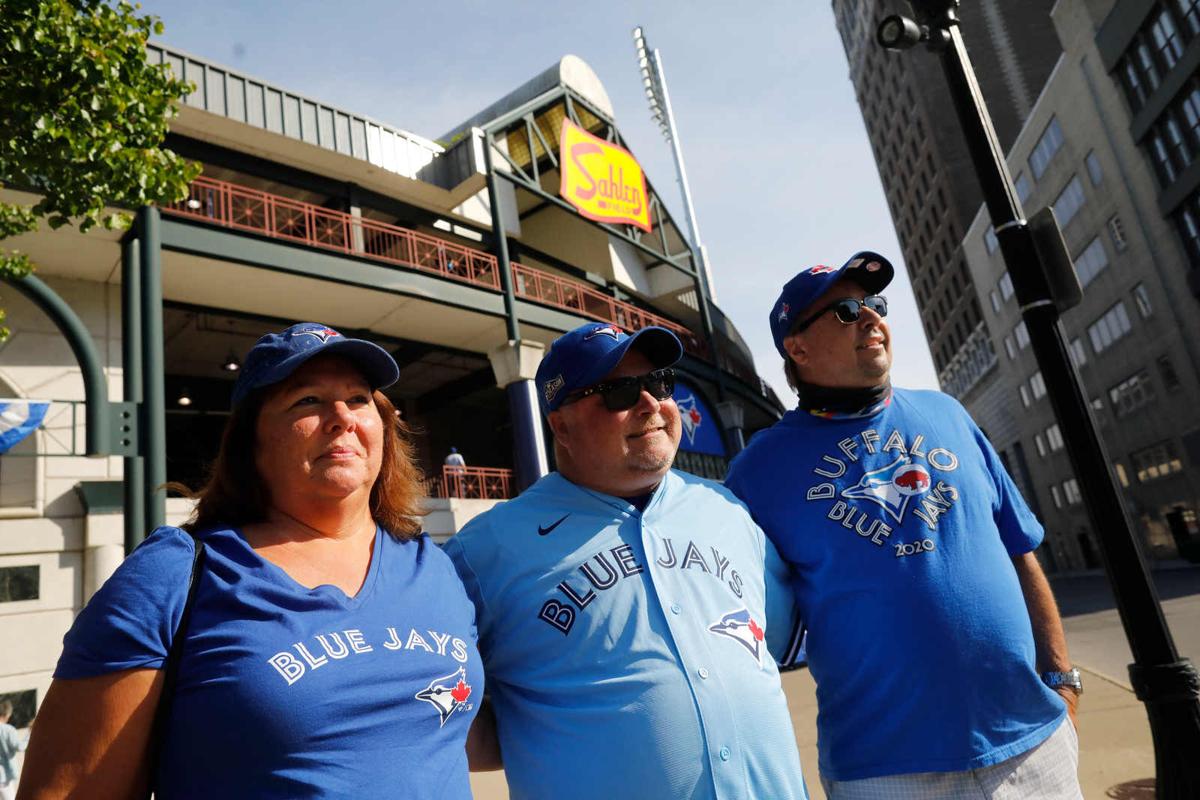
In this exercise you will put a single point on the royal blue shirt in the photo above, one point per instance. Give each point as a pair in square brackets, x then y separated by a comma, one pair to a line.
[629, 653]
[285, 691]
[900, 528]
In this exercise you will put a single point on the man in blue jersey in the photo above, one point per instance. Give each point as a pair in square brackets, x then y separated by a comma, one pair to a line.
[628, 613]
[933, 636]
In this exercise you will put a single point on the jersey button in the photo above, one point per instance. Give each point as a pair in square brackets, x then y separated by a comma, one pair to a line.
[725, 753]
[675, 609]
[703, 673]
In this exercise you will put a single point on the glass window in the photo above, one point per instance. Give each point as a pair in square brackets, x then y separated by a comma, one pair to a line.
[1023, 186]
[1006, 287]
[1037, 385]
[1166, 371]
[1164, 167]
[1189, 11]
[1189, 110]
[1166, 38]
[1071, 491]
[1157, 461]
[1022, 335]
[1043, 152]
[1078, 353]
[1111, 326]
[1069, 201]
[1122, 475]
[1093, 168]
[1091, 262]
[995, 298]
[990, 241]
[1057, 496]
[19, 583]
[1026, 400]
[1145, 63]
[1010, 347]
[1134, 89]
[1141, 298]
[1116, 230]
[1131, 394]
[1040, 441]
[1054, 438]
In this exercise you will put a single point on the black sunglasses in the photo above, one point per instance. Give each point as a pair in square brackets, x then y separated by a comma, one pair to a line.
[848, 310]
[620, 394]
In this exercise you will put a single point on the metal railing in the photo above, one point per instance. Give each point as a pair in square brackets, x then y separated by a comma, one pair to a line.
[233, 206]
[472, 483]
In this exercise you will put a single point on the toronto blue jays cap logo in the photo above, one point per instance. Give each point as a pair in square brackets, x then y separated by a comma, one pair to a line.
[743, 629]
[690, 416]
[605, 330]
[447, 694]
[324, 334]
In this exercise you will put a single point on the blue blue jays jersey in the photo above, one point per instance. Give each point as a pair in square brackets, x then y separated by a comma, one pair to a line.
[629, 654]
[900, 528]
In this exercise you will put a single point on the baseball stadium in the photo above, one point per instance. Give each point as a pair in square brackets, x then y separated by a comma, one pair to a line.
[464, 256]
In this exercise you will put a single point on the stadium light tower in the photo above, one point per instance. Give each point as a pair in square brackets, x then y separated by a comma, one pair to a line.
[655, 83]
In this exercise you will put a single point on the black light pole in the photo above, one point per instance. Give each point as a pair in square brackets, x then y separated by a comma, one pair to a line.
[1167, 684]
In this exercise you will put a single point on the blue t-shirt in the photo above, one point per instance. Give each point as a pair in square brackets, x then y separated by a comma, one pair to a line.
[285, 691]
[629, 653]
[900, 528]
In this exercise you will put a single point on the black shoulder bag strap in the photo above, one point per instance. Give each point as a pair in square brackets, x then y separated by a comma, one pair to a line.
[171, 666]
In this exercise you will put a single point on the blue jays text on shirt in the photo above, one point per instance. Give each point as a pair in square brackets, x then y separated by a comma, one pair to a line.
[605, 569]
[878, 502]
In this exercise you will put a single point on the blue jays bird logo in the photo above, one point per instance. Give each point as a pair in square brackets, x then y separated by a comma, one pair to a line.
[821, 269]
[784, 310]
[605, 330]
[742, 628]
[891, 487]
[447, 694]
[324, 334]
[690, 416]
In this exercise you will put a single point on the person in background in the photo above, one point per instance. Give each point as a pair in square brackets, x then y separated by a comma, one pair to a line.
[933, 636]
[628, 613]
[331, 648]
[11, 743]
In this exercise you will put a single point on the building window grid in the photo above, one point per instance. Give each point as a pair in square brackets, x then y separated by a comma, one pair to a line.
[1095, 172]
[1010, 347]
[1040, 442]
[1156, 461]
[1141, 299]
[1021, 333]
[1047, 145]
[1189, 13]
[1111, 326]
[1056, 495]
[1023, 186]
[1091, 262]
[1037, 385]
[990, 242]
[1078, 352]
[1131, 394]
[1069, 201]
[1071, 492]
[1167, 41]
[1006, 286]
[1054, 438]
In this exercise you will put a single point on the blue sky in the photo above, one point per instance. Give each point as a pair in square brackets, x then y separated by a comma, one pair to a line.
[781, 172]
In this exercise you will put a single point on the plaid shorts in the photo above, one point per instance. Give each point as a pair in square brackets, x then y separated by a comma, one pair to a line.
[1049, 771]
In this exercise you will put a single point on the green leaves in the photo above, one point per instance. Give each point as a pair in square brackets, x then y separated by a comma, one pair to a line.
[84, 116]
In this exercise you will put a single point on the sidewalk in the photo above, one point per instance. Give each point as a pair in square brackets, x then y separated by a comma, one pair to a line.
[1114, 741]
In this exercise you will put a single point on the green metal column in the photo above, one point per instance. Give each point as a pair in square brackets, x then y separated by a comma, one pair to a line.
[131, 363]
[95, 386]
[154, 417]
[502, 262]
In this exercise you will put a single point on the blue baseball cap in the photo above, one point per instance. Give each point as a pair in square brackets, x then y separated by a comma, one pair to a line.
[582, 357]
[277, 355]
[869, 270]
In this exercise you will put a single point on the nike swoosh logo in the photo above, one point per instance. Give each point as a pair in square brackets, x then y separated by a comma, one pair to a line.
[543, 531]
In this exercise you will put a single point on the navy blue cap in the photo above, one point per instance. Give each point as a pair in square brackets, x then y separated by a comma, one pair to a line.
[277, 355]
[582, 357]
[869, 270]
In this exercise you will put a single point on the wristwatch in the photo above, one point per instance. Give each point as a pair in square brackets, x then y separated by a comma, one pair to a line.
[1069, 679]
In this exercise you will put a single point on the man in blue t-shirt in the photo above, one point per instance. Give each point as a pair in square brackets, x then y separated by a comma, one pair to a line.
[933, 636]
[629, 615]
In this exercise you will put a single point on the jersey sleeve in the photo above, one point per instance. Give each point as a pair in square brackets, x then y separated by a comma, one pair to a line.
[470, 581]
[785, 629]
[1020, 530]
[130, 622]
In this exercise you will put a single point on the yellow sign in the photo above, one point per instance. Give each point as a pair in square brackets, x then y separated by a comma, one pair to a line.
[603, 181]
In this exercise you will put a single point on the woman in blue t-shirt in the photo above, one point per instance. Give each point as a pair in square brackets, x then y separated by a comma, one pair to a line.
[329, 648]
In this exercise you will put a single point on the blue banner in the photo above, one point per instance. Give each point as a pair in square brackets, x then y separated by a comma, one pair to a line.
[701, 427]
[18, 419]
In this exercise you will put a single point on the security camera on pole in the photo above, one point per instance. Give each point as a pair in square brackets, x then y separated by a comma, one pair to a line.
[1046, 285]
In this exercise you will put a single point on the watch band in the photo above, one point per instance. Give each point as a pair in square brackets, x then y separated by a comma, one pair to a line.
[1069, 679]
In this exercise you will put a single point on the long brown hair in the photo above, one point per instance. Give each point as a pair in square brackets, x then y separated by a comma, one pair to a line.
[235, 493]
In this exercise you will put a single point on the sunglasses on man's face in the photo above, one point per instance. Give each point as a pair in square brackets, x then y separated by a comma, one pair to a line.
[620, 394]
[848, 310]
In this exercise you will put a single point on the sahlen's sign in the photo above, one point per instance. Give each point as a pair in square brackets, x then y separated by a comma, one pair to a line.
[602, 181]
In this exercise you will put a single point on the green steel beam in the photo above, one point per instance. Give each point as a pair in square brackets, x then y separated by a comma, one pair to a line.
[97, 421]
[131, 380]
[153, 424]
[502, 263]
